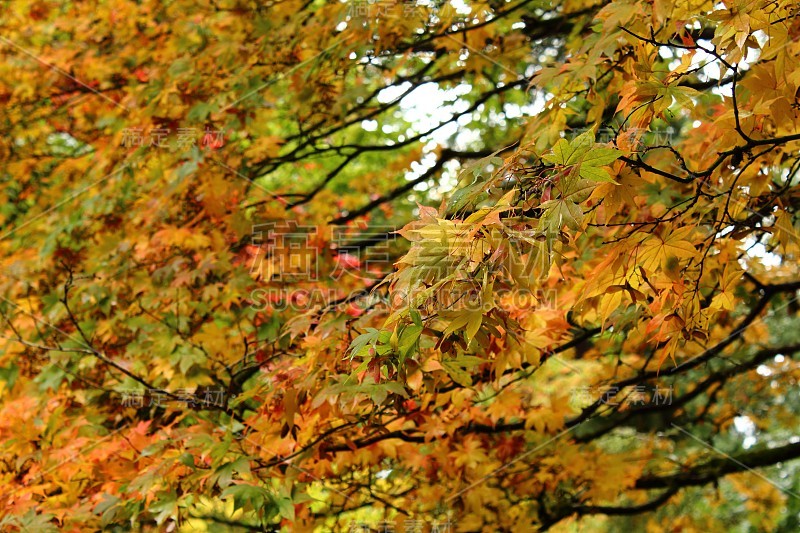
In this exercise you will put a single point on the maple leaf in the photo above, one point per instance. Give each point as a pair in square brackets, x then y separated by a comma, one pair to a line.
[597, 260]
[662, 251]
[581, 152]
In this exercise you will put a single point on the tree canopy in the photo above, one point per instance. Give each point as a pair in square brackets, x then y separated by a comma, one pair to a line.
[386, 265]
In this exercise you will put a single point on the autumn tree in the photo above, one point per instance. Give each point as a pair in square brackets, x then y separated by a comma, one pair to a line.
[434, 266]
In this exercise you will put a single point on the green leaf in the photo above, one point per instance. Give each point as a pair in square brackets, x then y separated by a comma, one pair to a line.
[473, 325]
[416, 318]
[224, 474]
[361, 344]
[379, 392]
[574, 189]
[164, 508]
[599, 157]
[199, 112]
[570, 152]
[556, 213]
[395, 388]
[590, 167]
[595, 174]
[457, 373]
[408, 339]
[286, 508]
[244, 493]
[580, 152]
